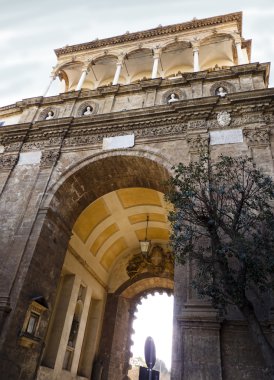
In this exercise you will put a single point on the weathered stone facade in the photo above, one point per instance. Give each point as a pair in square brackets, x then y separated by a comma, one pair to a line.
[74, 205]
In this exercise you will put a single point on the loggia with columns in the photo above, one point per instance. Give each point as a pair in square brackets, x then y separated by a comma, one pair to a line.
[156, 60]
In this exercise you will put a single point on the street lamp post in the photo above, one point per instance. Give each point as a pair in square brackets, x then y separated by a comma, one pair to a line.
[150, 355]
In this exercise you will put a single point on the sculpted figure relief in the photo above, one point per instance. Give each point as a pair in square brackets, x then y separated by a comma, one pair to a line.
[88, 111]
[173, 98]
[221, 92]
[49, 115]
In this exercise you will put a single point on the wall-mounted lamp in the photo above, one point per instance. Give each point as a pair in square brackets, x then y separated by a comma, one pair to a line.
[145, 244]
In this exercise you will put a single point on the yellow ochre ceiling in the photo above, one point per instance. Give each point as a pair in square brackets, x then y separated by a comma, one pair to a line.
[113, 225]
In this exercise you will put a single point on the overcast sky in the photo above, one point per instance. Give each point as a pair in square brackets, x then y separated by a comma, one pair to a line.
[154, 318]
[31, 29]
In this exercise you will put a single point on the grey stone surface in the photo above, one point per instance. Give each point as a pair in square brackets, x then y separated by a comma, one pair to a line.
[39, 206]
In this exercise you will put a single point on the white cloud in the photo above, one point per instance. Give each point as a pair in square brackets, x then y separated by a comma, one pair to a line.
[30, 30]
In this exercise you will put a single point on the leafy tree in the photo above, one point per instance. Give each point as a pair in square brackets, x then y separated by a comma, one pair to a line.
[223, 222]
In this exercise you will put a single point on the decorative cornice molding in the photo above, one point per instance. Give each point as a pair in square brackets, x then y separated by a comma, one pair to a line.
[13, 137]
[37, 140]
[87, 137]
[159, 83]
[150, 33]
[92, 131]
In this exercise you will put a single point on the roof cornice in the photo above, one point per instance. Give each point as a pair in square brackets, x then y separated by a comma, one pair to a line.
[165, 30]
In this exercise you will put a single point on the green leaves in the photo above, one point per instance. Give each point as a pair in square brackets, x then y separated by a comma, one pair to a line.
[223, 221]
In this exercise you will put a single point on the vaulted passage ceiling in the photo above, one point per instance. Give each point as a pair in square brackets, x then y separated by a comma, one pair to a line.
[112, 226]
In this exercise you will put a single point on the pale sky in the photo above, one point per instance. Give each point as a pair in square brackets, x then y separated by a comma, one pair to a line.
[154, 318]
[30, 30]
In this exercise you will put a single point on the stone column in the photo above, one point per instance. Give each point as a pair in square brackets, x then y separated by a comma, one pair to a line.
[196, 353]
[113, 357]
[196, 65]
[81, 331]
[82, 79]
[156, 58]
[119, 65]
[240, 55]
[60, 329]
[200, 339]
[49, 85]
[91, 339]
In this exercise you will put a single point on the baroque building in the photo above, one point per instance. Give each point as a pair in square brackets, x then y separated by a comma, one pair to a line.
[82, 178]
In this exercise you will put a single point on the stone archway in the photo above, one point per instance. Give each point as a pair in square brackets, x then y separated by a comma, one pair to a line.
[52, 231]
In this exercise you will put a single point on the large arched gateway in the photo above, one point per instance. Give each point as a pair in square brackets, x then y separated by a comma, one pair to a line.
[105, 204]
[83, 176]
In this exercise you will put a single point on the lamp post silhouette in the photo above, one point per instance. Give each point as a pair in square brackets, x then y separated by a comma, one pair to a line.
[150, 355]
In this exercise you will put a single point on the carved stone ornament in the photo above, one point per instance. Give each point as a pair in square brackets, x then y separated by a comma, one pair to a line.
[12, 143]
[87, 108]
[157, 262]
[8, 161]
[250, 119]
[224, 118]
[48, 138]
[49, 158]
[173, 95]
[257, 137]
[48, 113]
[227, 86]
[196, 124]
[85, 137]
[197, 143]
[13, 147]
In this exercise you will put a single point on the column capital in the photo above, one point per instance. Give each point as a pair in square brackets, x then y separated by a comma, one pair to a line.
[195, 48]
[86, 68]
[157, 52]
[237, 40]
[55, 72]
[236, 37]
[120, 59]
[59, 75]
[195, 44]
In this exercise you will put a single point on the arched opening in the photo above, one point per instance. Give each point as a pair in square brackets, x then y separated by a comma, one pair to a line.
[70, 73]
[153, 317]
[176, 58]
[105, 203]
[138, 64]
[102, 70]
[216, 51]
